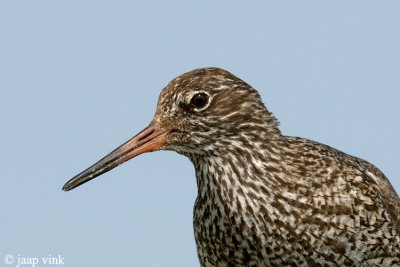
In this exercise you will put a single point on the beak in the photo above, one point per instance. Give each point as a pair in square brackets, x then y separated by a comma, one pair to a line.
[150, 139]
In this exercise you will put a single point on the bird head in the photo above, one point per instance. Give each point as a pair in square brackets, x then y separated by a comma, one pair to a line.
[199, 113]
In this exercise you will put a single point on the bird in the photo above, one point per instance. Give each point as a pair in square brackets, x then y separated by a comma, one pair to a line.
[265, 198]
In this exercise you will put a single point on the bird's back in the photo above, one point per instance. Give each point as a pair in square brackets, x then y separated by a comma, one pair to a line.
[303, 204]
[353, 201]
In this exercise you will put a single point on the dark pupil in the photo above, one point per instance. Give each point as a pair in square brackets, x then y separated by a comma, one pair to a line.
[199, 100]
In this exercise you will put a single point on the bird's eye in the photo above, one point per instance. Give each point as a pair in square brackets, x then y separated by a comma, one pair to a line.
[199, 100]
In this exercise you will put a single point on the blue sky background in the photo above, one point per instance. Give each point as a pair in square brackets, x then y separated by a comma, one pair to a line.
[78, 78]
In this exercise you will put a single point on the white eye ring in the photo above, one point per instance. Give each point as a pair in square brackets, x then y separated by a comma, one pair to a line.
[200, 100]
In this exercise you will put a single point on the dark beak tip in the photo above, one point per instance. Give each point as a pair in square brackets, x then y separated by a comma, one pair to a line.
[66, 187]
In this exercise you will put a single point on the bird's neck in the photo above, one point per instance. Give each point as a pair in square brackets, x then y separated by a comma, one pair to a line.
[239, 176]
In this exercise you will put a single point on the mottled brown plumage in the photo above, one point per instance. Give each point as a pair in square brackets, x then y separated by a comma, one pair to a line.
[265, 199]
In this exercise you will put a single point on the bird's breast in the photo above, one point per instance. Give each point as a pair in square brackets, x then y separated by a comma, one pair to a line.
[222, 236]
[225, 223]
